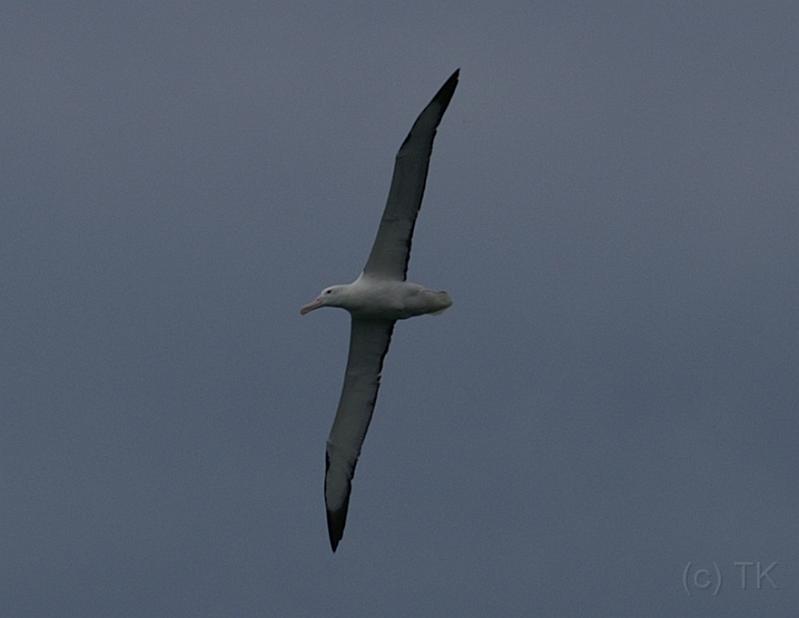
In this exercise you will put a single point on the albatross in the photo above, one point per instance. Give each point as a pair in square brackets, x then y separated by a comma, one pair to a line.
[379, 297]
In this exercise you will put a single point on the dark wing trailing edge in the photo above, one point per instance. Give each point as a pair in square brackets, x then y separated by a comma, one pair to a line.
[369, 341]
[392, 247]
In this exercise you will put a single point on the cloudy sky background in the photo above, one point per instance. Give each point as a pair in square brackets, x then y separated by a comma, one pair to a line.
[612, 205]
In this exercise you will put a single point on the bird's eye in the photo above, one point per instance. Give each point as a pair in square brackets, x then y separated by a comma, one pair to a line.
[328, 291]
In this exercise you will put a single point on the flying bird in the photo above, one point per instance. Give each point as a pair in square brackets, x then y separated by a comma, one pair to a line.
[376, 300]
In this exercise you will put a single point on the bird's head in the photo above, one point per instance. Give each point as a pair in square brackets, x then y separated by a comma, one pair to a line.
[329, 297]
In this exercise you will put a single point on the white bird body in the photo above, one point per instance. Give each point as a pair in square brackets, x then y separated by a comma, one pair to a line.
[376, 300]
[385, 299]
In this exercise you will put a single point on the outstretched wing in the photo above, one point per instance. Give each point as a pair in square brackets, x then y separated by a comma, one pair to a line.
[369, 341]
[392, 247]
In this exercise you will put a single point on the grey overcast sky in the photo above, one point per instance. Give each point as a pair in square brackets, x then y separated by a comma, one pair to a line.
[609, 407]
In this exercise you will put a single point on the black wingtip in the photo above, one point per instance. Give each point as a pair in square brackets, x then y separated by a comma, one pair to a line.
[446, 91]
[336, 520]
[335, 526]
[440, 102]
